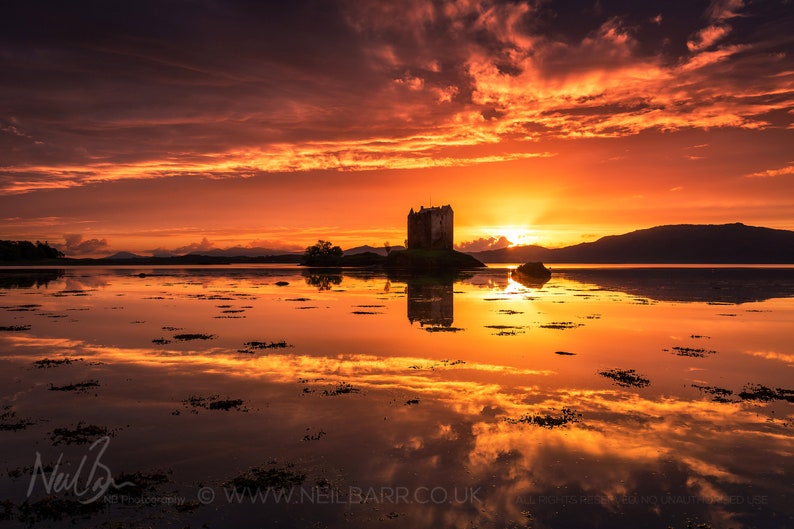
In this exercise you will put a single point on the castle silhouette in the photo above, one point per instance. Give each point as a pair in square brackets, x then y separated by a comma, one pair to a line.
[430, 228]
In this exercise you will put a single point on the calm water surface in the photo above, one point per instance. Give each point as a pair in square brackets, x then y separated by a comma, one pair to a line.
[259, 397]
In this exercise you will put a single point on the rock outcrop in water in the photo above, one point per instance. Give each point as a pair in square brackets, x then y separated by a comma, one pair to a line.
[534, 270]
[531, 274]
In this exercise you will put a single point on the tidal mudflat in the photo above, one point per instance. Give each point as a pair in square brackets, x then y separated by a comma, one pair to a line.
[209, 397]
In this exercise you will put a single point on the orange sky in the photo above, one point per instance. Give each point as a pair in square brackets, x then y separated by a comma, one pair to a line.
[183, 127]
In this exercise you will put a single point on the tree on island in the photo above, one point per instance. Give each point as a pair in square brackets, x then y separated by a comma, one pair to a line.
[323, 253]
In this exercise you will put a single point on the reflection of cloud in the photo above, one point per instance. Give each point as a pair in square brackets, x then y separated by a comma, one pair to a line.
[627, 443]
[774, 355]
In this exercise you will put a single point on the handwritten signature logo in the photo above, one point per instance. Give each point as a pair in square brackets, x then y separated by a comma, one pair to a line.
[87, 487]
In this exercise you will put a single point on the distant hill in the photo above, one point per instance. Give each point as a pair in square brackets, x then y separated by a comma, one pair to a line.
[240, 251]
[514, 254]
[682, 243]
[124, 255]
[366, 248]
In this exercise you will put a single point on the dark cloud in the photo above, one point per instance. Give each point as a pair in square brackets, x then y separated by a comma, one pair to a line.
[95, 91]
[254, 247]
[203, 245]
[484, 243]
[76, 246]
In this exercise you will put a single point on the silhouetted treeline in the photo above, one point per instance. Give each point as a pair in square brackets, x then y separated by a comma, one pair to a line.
[27, 251]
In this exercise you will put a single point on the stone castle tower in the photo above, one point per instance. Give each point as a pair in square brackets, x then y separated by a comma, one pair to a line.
[430, 228]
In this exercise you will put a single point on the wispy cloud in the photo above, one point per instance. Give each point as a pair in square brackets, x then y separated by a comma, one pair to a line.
[772, 173]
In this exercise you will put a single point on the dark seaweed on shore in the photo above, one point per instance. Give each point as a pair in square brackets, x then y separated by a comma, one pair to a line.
[10, 422]
[252, 346]
[506, 330]
[625, 377]
[82, 433]
[765, 394]
[567, 416]
[46, 362]
[561, 325]
[193, 336]
[78, 386]
[693, 352]
[442, 328]
[717, 394]
[259, 479]
[215, 402]
[268, 345]
[342, 388]
[14, 328]
[314, 437]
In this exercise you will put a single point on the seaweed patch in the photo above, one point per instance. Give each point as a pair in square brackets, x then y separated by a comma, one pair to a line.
[80, 387]
[82, 433]
[193, 336]
[625, 377]
[566, 416]
[214, 402]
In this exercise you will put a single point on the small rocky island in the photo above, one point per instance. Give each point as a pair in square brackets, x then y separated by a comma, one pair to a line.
[430, 244]
[430, 248]
[531, 274]
[431, 261]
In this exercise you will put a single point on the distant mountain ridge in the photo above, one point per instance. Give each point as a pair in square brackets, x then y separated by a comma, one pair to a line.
[671, 244]
[124, 255]
[380, 250]
[240, 251]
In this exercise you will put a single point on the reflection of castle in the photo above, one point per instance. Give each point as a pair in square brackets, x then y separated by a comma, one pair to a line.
[430, 228]
[430, 303]
[430, 298]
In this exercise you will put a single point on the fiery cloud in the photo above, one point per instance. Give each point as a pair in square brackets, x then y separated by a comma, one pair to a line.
[234, 91]
[465, 74]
